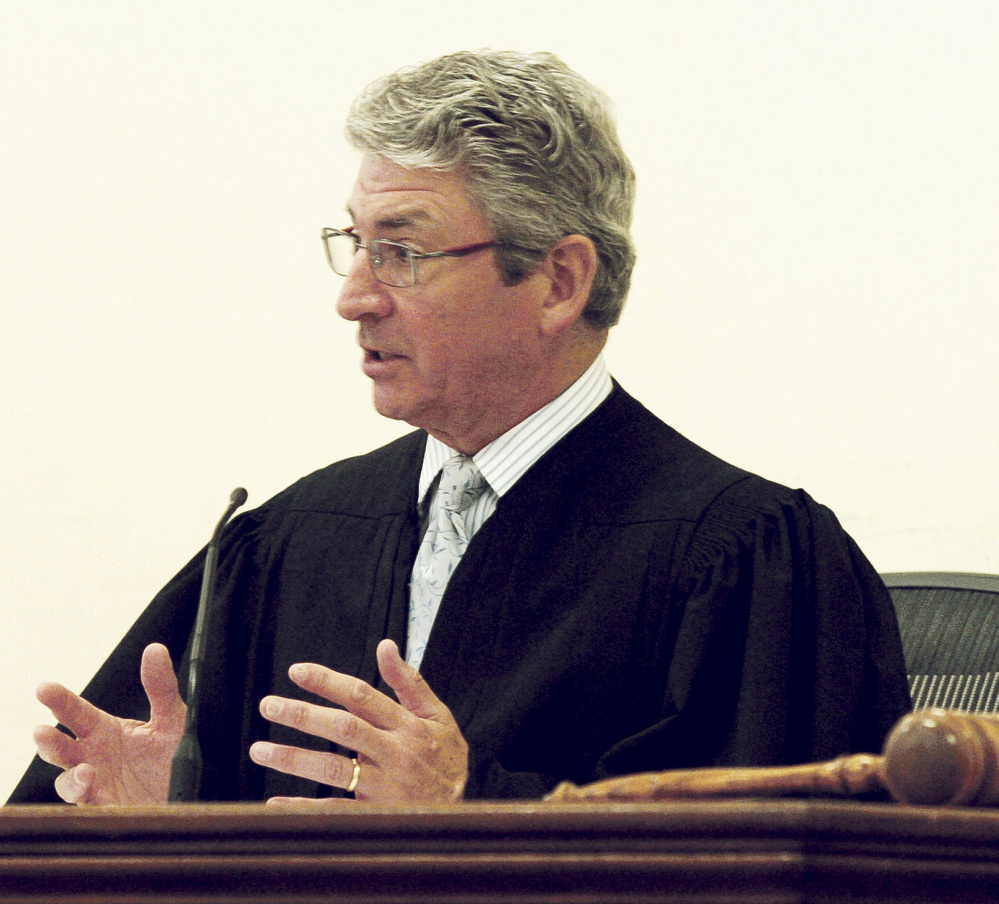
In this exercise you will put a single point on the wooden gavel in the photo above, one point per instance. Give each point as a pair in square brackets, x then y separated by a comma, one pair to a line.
[935, 757]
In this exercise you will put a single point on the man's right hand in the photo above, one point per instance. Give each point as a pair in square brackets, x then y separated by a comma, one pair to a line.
[115, 761]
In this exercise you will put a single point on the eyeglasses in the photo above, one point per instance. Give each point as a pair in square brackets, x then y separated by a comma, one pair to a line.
[392, 264]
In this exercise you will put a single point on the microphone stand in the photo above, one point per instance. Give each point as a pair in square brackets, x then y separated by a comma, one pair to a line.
[185, 771]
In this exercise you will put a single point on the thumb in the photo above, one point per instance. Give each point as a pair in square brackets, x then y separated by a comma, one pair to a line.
[411, 690]
[159, 681]
[74, 785]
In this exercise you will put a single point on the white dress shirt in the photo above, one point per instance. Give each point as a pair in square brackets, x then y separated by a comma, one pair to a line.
[508, 457]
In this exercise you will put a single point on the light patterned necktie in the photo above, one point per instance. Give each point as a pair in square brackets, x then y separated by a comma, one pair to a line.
[441, 550]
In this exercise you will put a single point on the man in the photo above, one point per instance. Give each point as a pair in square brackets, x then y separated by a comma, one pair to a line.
[579, 591]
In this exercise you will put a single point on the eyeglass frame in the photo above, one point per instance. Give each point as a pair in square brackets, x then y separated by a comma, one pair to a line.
[412, 255]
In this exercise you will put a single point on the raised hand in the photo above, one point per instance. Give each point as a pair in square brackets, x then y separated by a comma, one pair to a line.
[411, 751]
[114, 761]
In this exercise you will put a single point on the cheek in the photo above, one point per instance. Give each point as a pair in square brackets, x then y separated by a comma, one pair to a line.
[463, 331]
[507, 317]
[515, 333]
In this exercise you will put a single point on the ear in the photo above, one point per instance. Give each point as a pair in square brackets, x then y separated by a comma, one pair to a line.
[570, 267]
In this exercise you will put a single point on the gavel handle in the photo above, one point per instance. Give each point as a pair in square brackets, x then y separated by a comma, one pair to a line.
[935, 757]
[848, 775]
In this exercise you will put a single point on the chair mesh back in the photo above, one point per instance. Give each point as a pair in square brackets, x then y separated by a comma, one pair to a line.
[950, 637]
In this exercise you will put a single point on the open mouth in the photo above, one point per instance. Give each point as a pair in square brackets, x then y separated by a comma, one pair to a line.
[378, 356]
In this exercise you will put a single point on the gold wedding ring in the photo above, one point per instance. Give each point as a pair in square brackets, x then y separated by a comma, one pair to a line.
[355, 776]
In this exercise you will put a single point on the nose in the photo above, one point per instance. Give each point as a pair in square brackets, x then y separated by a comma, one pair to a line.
[361, 294]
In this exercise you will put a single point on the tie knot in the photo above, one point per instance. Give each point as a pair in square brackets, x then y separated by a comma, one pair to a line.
[461, 484]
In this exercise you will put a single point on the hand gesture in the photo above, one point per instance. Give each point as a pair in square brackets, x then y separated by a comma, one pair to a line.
[411, 751]
[115, 761]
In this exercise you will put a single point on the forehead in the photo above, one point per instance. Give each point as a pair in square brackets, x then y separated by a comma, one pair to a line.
[386, 195]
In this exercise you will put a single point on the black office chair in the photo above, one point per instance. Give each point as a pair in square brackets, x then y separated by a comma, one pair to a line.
[950, 637]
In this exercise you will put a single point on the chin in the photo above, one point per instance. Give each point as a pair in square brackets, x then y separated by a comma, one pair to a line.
[389, 405]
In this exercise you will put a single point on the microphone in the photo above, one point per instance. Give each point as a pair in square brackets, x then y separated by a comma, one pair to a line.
[185, 771]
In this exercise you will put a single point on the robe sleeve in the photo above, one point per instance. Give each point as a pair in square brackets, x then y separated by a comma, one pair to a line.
[169, 620]
[786, 651]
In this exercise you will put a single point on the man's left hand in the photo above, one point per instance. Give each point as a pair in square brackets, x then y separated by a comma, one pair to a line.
[408, 752]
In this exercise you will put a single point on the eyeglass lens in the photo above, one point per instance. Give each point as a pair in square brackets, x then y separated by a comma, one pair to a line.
[391, 263]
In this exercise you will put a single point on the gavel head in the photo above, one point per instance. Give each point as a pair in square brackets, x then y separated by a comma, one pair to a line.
[939, 757]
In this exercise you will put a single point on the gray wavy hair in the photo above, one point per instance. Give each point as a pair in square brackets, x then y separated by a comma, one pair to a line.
[537, 144]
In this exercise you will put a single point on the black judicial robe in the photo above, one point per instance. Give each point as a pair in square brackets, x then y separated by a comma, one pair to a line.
[633, 604]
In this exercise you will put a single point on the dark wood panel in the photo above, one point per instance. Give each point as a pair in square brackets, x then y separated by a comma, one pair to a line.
[759, 851]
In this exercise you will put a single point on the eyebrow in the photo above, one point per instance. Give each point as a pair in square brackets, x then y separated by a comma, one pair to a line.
[398, 220]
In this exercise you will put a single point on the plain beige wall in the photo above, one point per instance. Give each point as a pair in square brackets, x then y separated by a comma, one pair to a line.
[815, 299]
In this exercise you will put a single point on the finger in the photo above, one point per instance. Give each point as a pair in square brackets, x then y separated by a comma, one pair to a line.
[335, 725]
[160, 684]
[56, 748]
[412, 691]
[314, 765]
[74, 785]
[353, 694]
[70, 709]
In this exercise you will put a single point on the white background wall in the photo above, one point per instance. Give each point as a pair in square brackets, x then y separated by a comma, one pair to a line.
[815, 299]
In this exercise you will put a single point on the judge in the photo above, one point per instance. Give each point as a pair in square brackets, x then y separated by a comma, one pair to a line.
[543, 581]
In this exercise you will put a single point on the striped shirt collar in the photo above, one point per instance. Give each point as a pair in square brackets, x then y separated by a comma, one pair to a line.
[508, 457]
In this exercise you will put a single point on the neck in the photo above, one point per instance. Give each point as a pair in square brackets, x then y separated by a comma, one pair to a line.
[470, 438]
